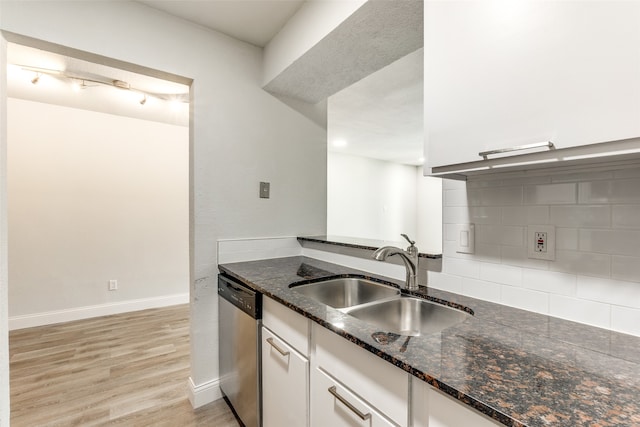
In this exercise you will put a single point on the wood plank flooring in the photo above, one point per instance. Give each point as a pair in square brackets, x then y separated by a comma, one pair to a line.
[128, 369]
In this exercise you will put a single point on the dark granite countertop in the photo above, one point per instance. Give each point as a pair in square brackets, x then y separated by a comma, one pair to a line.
[518, 367]
[358, 243]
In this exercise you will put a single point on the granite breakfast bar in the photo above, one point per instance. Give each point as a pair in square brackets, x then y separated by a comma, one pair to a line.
[517, 367]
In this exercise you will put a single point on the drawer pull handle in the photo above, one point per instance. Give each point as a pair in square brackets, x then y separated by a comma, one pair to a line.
[281, 351]
[346, 403]
[548, 144]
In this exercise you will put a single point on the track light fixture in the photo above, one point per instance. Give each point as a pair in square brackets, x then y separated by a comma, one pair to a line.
[143, 100]
[36, 79]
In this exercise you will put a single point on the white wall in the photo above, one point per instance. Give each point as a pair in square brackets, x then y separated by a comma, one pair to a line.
[94, 197]
[370, 198]
[240, 135]
[429, 212]
[376, 199]
[595, 278]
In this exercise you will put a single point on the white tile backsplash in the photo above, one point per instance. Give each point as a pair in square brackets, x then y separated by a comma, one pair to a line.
[595, 278]
[520, 215]
[624, 319]
[500, 273]
[552, 194]
[625, 268]
[549, 281]
[580, 216]
[487, 291]
[583, 311]
[610, 191]
[526, 299]
[625, 216]
[610, 291]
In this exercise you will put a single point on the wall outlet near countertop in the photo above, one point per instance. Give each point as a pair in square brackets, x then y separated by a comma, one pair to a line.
[541, 242]
[465, 241]
[113, 285]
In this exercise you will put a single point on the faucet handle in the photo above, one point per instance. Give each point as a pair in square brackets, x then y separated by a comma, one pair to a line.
[411, 242]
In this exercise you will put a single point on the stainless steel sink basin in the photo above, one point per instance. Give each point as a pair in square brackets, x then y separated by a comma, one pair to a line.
[409, 316]
[346, 292]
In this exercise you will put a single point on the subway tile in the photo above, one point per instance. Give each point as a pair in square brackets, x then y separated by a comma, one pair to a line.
[445, 282]
[625, 216]
[497, 196]
[525, 299]
[488, 252]
[461, 267]
[484, 215]
[585, 263]
[524, 215]
[500, 234]
[549, 281]
[500, 273]
[517, 256]
[619, 242]
[480, 289]
[580, 216]
[552, 194]
[567, 239]
[457, 197]
[588, 312]
[450, 231]
[625, 320]
[455, 215]
[609, 291]
[625, 268]
[615, 191]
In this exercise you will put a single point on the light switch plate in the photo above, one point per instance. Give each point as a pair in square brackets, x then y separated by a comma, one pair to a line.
[541, 242]
[465, 240]
[264, 190]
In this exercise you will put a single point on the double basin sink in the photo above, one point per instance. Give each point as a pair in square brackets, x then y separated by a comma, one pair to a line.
[382, 305]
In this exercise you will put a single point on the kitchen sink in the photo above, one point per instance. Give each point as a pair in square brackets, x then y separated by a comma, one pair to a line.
[409, 316]
[346, 291]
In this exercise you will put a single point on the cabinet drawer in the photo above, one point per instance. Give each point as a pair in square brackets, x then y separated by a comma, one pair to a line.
[287, 324]
[336, 406]
[383, 385]
[285, 383]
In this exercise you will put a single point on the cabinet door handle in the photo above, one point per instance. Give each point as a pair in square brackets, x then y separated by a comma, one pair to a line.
[548, 144]
[274, 345]
[348, 404]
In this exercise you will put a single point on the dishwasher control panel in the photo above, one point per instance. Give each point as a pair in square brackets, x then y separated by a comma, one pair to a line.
[240, 295]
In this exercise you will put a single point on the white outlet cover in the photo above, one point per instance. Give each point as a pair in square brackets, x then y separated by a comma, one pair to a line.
[465, 240]
[550, 254]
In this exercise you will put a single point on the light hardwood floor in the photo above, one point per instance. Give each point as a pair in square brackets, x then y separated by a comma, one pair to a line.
[128, 369]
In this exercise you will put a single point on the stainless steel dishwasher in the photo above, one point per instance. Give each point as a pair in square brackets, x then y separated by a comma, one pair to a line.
[239, 314]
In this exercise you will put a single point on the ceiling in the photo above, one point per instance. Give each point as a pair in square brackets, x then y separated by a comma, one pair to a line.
[56, 87]
[252, 21]
[381, 116]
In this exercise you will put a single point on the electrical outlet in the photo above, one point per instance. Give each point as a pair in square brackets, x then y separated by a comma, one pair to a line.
[541, 242]
[113, 285]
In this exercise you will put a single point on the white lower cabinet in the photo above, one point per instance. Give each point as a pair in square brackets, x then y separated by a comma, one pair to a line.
[336, 406]
[285, 383]
[311, 376]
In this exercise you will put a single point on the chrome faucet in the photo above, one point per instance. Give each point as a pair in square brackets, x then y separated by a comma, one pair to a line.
[409, 257]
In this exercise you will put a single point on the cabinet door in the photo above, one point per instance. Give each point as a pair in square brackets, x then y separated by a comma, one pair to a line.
[285, 383]
[444, 411]
[500, 74]
[334, 405]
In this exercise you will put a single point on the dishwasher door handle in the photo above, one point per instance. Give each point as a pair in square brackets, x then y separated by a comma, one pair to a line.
[274, 345]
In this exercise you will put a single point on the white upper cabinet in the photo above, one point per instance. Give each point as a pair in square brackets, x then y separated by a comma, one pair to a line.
[500, 74]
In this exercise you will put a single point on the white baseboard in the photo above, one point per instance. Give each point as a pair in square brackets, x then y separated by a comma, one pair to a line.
[59, 316]
[200, 395]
